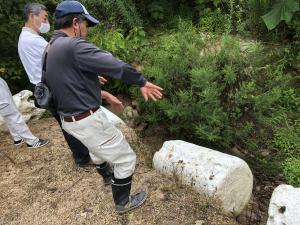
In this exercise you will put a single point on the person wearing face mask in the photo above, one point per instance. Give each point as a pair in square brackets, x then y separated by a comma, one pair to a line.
[31, 45]
[71, 65]
[9, 111]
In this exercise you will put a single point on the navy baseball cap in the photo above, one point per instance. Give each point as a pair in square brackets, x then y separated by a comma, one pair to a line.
[74, 7]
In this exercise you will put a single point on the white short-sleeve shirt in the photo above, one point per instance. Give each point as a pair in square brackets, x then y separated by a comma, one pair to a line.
[31, 47]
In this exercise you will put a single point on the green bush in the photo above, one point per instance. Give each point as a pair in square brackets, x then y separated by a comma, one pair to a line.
[10, 26]
[115, 13]
[291, 171]
[215, 22]
[220, 92]
[287, 141]
[111, 40]
[192, 106]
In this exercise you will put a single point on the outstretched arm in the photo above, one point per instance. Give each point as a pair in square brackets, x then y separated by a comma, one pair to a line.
[94, 60]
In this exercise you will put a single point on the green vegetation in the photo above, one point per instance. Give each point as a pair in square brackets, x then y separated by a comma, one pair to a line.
[223, 92]
[229, 69]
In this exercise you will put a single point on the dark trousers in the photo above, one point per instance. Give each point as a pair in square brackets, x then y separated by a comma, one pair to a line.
[79, 151]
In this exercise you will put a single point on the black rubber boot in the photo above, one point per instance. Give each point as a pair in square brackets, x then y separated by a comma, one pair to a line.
[106, 172]
[121, 194]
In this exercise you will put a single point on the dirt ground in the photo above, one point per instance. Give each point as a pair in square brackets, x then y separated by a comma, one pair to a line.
[43, 186]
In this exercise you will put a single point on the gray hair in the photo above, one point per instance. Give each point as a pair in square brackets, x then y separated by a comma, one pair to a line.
[34, 8]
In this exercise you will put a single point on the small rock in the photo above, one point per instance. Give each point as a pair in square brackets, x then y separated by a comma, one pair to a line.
[135, 105]
[87, 210]
[235, 151]
[142, 127]
[52, 189]
[158, 195]
[130, 115]
[265, 152]
[242, 219]
[199, 222]
[83, 214]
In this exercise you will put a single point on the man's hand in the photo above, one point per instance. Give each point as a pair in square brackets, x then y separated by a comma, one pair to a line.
[113, 101]
[102, 80]
[151, 91]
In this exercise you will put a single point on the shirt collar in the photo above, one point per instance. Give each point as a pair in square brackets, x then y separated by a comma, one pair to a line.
[58, 33]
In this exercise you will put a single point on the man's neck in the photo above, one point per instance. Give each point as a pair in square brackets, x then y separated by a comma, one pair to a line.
[28, 25]
[68, 32]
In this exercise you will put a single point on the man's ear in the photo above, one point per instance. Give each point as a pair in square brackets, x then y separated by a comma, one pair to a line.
[76, 23]
[31, 16]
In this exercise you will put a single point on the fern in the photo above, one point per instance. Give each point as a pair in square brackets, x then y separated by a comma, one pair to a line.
[128, 11]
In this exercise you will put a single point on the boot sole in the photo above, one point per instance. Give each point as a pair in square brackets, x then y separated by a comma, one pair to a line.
[132, 208]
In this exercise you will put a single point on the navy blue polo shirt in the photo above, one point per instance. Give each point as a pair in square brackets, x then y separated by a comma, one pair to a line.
[72, 69]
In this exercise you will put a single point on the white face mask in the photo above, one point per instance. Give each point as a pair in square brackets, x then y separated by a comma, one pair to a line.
[44, 28]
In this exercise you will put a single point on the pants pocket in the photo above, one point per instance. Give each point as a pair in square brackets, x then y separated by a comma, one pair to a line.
[5, 108]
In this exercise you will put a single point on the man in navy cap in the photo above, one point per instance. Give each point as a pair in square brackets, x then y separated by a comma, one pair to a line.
[31, 46]
[71, 70]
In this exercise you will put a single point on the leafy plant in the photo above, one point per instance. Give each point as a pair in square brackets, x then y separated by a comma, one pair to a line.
[291, 171]
[128, 11]
[157, 10]
[287, 141]
[222, 92]
[215, 22]
[115, 13]
[136, 40]
[111, 40]
[281, 10]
